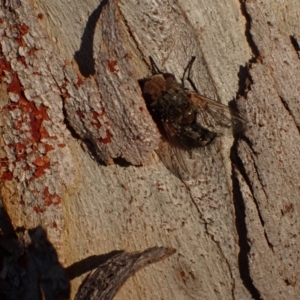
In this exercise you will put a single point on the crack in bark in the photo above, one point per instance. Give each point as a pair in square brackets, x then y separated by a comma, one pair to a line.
[241, 225]
[296, 44]
[131, 34]
[248, 181]
[286, 106]
[248, 35]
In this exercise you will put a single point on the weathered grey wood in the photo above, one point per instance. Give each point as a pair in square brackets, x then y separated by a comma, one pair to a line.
[270, 156]
[235, 229]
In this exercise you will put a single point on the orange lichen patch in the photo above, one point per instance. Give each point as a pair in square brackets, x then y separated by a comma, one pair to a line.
[41, 161]
[51, 199]
[22, 29]
[41, 113]
[39, 172]
[31, 114]
[111, 65]
[22, 202]
[54, 224]
[37, 130]
[141, 108]
[107, 139]
[4, 66]
[20, 151]
[42, 164]
[15, 85]
[7, 176]
[95, 122]
[25, 105]
[17, 125]
[62, 145]
[37, 115]
[43, 132]
[20, 148]
[48, 147]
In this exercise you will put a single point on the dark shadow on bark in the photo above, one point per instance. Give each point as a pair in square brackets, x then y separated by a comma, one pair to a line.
[11, 258]
[45, 276]
[296, 44]
[32, 272]
[84, 56]
[89, 264]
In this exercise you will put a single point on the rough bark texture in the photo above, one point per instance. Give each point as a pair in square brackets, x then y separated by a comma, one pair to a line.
[108, 278]
[69, 77]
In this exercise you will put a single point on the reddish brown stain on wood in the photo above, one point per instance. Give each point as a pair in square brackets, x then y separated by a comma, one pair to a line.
[24, 29]
[37, 209]
[111, 65]
[96, 122]
[79, 113]
[102, 112]
[79, 82]
[107, 139]
[40, 16]
[7, 176]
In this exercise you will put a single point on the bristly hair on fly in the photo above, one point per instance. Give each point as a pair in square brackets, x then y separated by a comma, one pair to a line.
[189, 121]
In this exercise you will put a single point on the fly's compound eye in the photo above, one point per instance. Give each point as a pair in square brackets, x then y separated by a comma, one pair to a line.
[169, 78]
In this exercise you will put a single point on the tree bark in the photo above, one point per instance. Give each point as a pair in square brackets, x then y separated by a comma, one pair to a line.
[80, 152]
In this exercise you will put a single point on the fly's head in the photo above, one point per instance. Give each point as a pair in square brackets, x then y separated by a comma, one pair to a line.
[154, 87]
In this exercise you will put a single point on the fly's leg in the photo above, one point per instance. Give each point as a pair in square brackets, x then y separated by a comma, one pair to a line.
[187, 74]
[154, 67]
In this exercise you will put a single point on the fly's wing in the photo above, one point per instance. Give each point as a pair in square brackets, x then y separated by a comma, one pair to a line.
[214, 116]
[189, 162]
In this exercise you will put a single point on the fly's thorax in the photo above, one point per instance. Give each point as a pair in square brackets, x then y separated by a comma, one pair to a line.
[153, 88]
[175, 106]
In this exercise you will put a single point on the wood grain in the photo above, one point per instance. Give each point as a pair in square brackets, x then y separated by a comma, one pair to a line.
[236, 228]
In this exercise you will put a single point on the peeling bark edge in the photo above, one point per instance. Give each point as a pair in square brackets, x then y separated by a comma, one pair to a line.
[107, 279]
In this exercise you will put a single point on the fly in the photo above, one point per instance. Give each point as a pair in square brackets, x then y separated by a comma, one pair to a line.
[190, 121]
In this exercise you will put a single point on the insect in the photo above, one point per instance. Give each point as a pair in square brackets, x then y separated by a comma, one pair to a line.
[190, 121]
